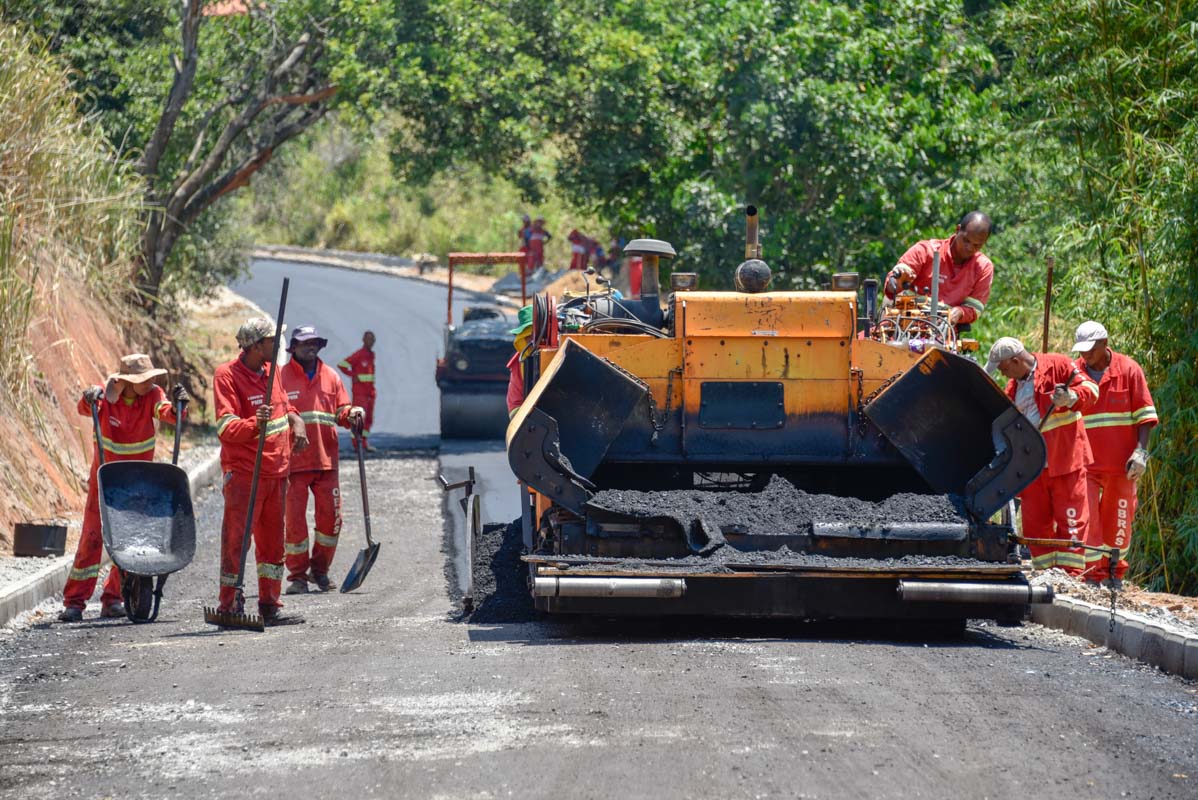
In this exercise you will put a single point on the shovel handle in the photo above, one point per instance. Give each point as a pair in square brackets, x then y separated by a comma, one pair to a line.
[178, 431]
[362, 480]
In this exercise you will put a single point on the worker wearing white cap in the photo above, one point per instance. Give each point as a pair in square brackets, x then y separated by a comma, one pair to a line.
[1118, 427]
[1051, 392]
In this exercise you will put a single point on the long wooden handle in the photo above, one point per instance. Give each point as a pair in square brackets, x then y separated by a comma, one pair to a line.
[362, 480]
[99, 438]
[1047, 304]
[269, 400]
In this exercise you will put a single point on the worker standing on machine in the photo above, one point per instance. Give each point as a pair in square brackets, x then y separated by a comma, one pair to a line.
[965, 272]
[1118, 426]
[127, 406]
[1052, 393]
[316, 391]
[245, 410]
[537, 237]
[515, 384]
[359, 366]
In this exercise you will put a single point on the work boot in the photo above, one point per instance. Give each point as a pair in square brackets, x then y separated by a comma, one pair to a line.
[322, 582]
[113, 610]
[272, 615]
[70, 614]
[371, 448]
[297, 586]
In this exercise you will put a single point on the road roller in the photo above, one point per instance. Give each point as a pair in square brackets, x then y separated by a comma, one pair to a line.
[765, 453]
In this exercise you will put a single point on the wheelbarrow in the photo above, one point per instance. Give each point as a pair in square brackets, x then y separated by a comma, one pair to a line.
[147, 522]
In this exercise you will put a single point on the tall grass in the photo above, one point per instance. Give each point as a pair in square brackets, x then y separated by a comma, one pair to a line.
[68, 205]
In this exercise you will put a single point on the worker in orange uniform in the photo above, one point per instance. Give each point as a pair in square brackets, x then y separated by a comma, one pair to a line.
[359, 366]
[246, 410]
[965, 272]
[515, 384]
[578, 250]
[127, 406]
[316, 391]
[537, 237]
[1052, 394]
[1118, 426]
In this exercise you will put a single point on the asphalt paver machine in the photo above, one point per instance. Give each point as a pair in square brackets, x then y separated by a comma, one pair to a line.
[772, 454]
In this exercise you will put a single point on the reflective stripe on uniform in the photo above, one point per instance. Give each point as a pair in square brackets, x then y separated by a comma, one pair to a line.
[1145, 414]
[1058, 558]
[224, 421]
[318, 418]
[1096, 555]
[162, 407]
[1061, 420]
[974, 303]
[228, 579]
[1110, 419]
[345, 364]
[365, 378]
[297, 548]
[271, 571]
[1091, 385]
[86, 573]
[327, 541]
[128, 448]
[276, 425]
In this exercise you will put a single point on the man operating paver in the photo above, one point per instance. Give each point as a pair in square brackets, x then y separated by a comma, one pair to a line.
[1118, 426]
[1052, 393]
[127, 407]
[246, 410]
[515, 365]
[965, 272]
[316, 391]
[359, 366]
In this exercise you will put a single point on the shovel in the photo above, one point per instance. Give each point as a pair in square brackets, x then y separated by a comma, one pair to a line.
[365, 560]
[238, 618]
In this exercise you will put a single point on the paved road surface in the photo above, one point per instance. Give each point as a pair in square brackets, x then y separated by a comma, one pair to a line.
[382, 693]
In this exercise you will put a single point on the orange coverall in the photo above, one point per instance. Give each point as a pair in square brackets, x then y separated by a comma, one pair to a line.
[359, 366]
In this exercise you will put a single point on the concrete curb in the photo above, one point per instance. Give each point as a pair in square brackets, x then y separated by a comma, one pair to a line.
[395, 266]
[1168, 649]
[50, 580]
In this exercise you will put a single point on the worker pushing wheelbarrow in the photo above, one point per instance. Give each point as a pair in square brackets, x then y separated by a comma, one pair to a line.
[139, 510]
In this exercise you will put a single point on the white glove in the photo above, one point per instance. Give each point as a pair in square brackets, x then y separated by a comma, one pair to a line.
[901, 273]
[1137, 464]
[357, 415]
[1063, 398]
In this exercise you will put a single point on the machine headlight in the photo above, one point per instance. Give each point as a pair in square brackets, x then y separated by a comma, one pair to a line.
[461, 364]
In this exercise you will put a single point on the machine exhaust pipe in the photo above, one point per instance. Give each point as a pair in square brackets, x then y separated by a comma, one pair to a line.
[973, 592]
[662, 588]
[752, 240]
[936, 284]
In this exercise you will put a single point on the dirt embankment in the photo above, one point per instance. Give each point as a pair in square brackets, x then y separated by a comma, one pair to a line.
[75, 342]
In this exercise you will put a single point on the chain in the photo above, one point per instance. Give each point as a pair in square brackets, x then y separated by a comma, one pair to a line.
[861, 404]
[659, 423]
[1111, 560]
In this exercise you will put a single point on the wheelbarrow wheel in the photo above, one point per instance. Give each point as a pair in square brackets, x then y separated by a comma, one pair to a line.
[141, 600]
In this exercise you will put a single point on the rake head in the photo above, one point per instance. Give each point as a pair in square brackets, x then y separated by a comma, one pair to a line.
[233, 619]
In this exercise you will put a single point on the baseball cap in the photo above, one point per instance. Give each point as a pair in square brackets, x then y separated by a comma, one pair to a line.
[1000, 351]
[1087, 334]
[306, 333]
[254, 330]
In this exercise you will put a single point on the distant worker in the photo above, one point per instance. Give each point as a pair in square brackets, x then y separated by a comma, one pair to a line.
[965, 273]
[1054, 505]
[522, 236]
[318, 394]
[515, 384]
[127, 406]
[1118, 426]
[245, 411]
[579, 250]
[359, 366]
[537, 237]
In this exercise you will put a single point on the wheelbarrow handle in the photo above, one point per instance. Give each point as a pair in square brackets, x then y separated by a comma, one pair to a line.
[96, 426]
[178, 431]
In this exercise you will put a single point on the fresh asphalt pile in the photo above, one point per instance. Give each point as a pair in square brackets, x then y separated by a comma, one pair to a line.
[500, 585]
[781, 509]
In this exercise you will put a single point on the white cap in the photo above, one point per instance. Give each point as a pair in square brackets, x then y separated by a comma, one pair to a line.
[1087, 334]
[1000, 351]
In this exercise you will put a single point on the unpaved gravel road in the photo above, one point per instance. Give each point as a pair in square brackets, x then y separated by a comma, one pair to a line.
[383, 693]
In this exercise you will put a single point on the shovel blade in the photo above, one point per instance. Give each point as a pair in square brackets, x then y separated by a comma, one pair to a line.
[358, 572]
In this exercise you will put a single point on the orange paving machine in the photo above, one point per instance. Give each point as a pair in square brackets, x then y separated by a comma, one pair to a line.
[758, 453]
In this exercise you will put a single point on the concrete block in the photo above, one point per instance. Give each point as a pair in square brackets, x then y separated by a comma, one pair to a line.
[1078, 621]
[1152, 648]
[1131, 637]
[1173, 656]
[1050, 615]
[1098, 626]
[1190, 667]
